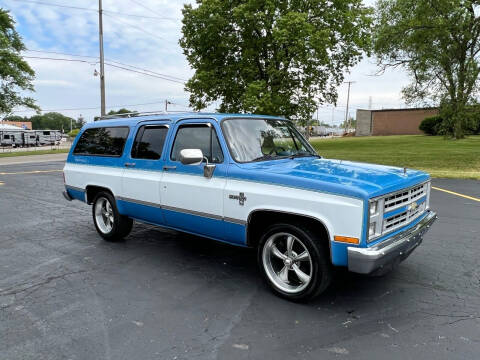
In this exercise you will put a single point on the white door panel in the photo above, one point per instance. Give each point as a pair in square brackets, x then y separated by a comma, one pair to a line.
[142, 186]
[193, 193]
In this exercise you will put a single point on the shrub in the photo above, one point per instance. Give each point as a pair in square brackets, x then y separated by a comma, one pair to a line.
[74, 132]
[431, 125]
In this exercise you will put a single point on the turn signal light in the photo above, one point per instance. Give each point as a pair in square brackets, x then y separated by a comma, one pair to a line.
[346, 239]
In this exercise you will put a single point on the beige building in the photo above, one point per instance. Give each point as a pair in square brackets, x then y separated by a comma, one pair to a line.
[392, 121]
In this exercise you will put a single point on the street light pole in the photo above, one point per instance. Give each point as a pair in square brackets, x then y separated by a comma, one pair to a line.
[102, 64]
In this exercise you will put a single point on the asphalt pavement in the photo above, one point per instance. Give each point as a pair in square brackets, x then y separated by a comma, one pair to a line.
[67, 294]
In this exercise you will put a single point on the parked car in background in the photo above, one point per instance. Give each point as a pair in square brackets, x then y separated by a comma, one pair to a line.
[250, 180]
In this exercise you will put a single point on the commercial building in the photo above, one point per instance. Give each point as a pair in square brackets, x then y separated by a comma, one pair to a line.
[27, 125]
[392, 121]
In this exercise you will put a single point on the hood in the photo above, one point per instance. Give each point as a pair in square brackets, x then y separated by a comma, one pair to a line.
[335, 176]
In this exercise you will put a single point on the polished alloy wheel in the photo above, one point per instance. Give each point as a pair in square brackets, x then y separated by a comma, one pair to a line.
[287, 262]
[104, 215]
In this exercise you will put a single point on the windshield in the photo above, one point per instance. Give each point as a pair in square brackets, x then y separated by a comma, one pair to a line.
[262, 139]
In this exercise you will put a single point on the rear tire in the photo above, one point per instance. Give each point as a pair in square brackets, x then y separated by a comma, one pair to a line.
[294, 262]
[110, 224]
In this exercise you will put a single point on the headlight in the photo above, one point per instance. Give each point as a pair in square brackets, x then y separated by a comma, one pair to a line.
[373, 207]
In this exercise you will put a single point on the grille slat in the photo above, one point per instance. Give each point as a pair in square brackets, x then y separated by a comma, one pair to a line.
[404, 198]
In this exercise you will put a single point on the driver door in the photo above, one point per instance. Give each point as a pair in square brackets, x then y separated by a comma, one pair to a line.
[190, 201]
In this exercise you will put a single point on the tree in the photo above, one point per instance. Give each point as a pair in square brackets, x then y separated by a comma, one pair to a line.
[117, 112]
[51, 121]
[438, 43]
[273, 56]
[15, 73]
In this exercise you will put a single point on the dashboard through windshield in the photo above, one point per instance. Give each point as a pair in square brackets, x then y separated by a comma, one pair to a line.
[264, 139]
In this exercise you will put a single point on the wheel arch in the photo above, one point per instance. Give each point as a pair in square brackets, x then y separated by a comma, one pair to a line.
[92, 190]
[260, 218]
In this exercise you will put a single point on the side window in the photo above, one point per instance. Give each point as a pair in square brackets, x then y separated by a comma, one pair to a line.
[201, 137]
[104, 141]
[149, 142]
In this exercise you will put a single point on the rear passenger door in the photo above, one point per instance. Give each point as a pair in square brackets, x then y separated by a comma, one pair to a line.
[142, 174]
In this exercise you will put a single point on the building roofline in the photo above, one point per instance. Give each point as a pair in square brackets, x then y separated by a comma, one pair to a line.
[404, 109]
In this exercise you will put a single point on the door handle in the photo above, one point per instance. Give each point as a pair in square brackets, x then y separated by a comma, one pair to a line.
[129, 164]
[169, 168]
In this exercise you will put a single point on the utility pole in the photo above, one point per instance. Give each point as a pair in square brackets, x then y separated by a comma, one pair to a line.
[102, 62]
[166, 105]
[347, 125]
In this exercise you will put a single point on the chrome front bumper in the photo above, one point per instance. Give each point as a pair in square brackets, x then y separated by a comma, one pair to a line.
[391, 251]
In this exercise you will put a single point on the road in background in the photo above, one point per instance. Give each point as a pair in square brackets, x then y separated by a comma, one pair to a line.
[67, 294]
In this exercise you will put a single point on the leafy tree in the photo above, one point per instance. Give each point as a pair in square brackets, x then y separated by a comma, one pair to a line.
[438, 43]
[273, 56]
[116, 112]
[51, 121]
[15, 73]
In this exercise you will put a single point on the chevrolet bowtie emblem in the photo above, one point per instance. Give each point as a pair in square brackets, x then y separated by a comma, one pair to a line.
[413, 206]
[240, 197]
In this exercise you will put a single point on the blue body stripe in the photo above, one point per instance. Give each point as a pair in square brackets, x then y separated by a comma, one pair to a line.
[76, 194]
[217, 229]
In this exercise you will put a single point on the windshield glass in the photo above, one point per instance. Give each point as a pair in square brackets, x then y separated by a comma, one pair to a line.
[264, 139]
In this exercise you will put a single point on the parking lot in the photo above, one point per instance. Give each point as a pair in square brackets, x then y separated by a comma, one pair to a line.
[67, 294]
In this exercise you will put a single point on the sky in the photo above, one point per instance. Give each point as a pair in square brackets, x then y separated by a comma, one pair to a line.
[147, 39]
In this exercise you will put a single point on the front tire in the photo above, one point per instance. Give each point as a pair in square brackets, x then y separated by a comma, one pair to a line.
[294, 262]
[110, 224]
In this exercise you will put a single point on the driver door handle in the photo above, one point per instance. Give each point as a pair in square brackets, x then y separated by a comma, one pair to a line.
[129, 164]
[169, 168]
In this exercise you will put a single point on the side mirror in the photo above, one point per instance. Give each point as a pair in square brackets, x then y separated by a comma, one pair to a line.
[191, 156]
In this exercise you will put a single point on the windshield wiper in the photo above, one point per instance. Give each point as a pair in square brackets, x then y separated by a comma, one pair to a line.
[298, 155]
[263, 157]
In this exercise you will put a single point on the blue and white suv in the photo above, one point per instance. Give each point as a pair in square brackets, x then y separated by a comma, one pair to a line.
[250, 180]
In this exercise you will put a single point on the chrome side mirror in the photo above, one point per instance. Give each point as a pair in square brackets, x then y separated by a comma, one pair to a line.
[191, 156]
[208, 170]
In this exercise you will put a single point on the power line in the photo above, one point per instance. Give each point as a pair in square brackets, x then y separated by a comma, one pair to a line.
[144, 73]
[146, 8]
[109, 60]
[135, 27]
[109, 64]
[56, 5]
[141, 16]
[59, 59]
[93, 108]
[94, 10]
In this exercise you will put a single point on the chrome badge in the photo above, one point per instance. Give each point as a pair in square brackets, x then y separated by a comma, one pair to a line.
[413, 206]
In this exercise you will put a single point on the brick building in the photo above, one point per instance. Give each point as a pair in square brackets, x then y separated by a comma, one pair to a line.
[392, 121]
[21, 124]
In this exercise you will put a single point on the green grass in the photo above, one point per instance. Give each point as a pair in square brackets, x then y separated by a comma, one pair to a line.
[440, 157]
[32, 152]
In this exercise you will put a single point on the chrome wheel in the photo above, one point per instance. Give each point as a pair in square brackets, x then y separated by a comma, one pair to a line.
[104, 215]
[287, 262]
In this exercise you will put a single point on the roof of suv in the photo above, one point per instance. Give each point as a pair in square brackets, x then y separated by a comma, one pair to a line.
[174, 117]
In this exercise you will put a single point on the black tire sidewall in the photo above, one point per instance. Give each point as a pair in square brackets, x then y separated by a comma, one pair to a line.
[320, 261]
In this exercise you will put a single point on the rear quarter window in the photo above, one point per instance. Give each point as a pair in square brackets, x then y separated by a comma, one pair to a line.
[102, 141]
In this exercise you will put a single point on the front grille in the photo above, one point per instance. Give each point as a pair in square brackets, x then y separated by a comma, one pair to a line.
[397, 221]
[405, 197]
[399, 209]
